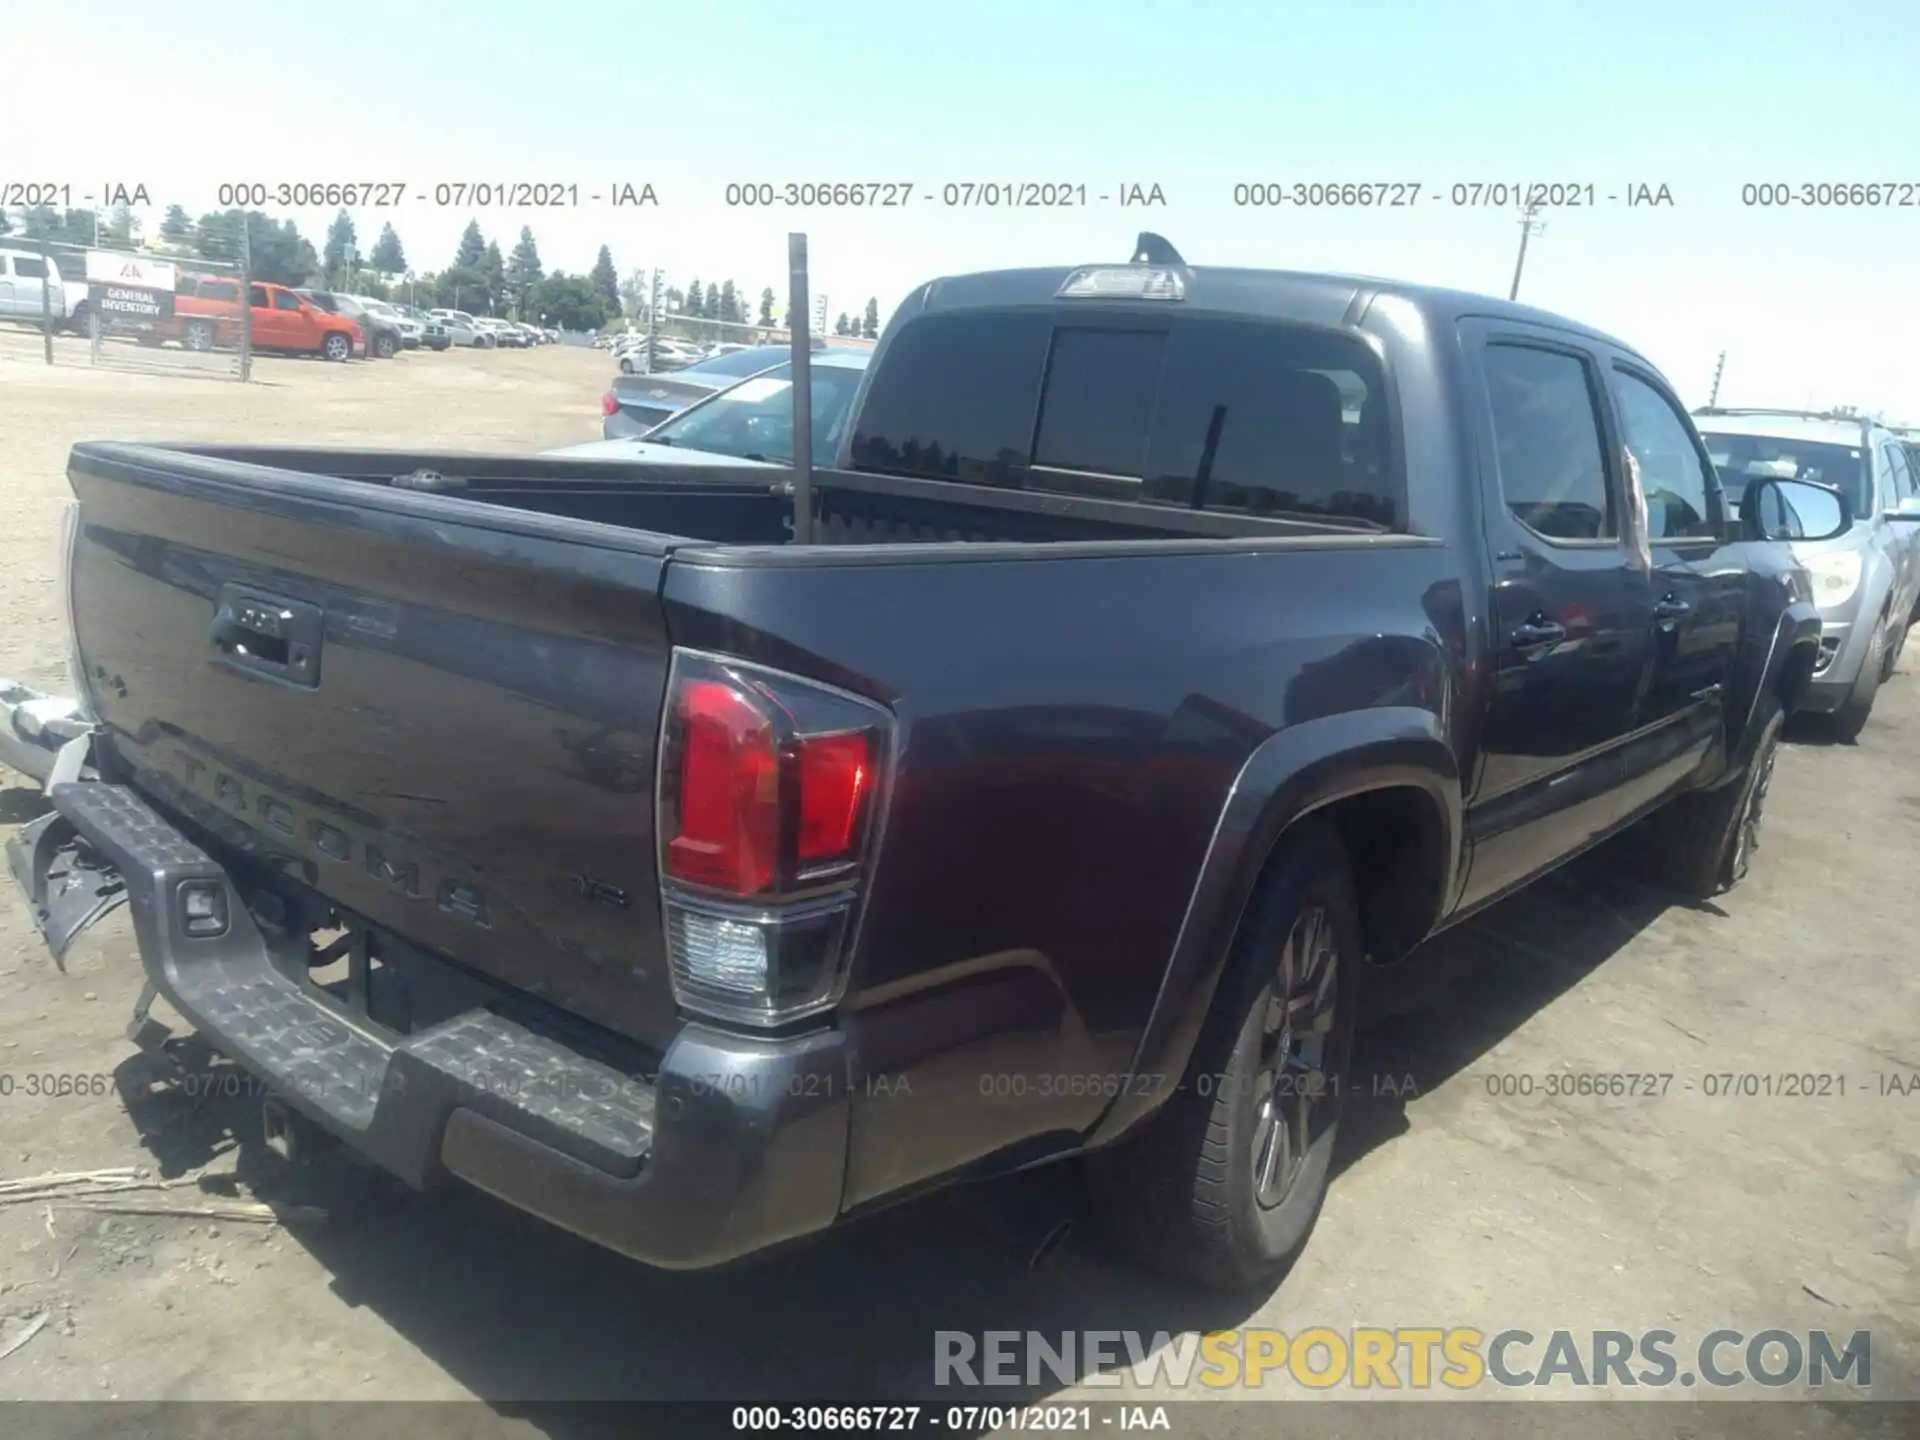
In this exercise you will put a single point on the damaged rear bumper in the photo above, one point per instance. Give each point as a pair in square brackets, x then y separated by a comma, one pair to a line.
[735, 1144]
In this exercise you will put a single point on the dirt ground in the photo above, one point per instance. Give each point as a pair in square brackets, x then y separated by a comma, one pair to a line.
[1454, 1205]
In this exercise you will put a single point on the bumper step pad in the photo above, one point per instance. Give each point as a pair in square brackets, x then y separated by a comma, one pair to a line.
[389, 1095]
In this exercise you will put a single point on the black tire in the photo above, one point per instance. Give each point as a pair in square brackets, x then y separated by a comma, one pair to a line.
[384, 346]
[1896, 642]
[336, 346]
[1703, 842]
[77, 322]
[1851, 718]
[626, 366]
[1183, 1194]
[198, 335]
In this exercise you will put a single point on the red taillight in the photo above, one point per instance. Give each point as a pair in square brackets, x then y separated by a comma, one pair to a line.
[834, 774]
[727, 826]
[608, 404]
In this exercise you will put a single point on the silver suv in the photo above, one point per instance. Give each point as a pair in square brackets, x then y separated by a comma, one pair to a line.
[1865, 582]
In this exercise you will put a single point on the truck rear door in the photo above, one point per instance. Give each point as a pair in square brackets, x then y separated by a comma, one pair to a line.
[438, 715]
[1572, 603]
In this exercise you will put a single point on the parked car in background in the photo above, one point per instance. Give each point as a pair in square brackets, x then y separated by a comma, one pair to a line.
[384, 340]
[206, 316]
[498, 332]
[748, 422]
[1865, 582]
[463, 329]
[667, 354]
[635, 403]
[433, 330]
[410, 329]
[32, 289]
[1163, 649]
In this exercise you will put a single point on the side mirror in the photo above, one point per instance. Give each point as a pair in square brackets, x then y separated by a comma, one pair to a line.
[1780, 509]
[1907, 509]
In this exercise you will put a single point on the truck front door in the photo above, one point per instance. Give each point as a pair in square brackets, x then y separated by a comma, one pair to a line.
[269, 325]
[25, 289]
[1572, 605]
[1699, 583]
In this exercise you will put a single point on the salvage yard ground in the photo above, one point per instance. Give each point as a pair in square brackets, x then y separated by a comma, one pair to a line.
[1457, 1204]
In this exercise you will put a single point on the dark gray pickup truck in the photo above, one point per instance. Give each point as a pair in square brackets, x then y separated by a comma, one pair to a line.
[1169, 647]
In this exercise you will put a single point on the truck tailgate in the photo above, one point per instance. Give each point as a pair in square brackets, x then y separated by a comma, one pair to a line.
[440, 715]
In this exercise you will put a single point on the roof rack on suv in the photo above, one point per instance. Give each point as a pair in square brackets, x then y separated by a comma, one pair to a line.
[1798, 414]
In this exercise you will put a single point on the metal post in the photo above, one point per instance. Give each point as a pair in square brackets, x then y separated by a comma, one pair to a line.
[46, 296]
[246, 302]
[653, 323]
[802, 390]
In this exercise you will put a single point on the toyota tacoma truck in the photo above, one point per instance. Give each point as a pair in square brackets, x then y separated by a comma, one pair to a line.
[698, 858]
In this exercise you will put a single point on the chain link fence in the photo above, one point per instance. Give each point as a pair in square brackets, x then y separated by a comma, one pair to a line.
[130, 308]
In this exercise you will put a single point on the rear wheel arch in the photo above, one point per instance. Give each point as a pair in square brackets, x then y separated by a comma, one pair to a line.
[1385, 784]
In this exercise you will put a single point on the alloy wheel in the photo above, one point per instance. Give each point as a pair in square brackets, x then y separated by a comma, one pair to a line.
[1293, 1089]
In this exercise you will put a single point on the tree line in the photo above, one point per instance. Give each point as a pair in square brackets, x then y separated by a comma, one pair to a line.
[481, 279]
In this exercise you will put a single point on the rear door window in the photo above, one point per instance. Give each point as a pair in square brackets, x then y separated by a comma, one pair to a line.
[29, 269]
[1204, 414]
[1548, 450]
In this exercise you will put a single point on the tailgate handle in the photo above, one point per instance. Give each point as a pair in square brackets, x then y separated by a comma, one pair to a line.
[268, 635]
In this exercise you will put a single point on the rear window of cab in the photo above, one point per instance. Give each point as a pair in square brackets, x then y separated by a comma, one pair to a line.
[1245, 416]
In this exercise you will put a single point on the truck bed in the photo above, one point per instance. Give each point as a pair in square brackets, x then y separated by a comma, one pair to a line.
[723, 504]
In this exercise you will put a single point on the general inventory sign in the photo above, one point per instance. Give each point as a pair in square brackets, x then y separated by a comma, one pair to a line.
[130, 303]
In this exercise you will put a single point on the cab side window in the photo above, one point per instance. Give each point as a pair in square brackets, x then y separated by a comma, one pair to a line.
[285, 300]
[1683, 496]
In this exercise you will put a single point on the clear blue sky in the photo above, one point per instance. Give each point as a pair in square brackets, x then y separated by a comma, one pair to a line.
[1702, 97]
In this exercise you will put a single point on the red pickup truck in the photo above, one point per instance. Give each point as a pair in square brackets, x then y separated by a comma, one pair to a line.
[207, 316]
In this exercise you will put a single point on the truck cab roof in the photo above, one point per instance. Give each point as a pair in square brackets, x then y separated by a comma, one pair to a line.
[1300, 296]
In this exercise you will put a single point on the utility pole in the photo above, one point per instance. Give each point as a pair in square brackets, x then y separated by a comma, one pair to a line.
[1530, 223]
[1714, 398]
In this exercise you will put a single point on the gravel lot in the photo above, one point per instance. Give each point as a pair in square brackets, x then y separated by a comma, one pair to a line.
[1454, 1206]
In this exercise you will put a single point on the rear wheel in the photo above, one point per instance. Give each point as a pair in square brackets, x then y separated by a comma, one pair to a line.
[198, 335]
[1223, 1184]
[1703, 842]
[384, 346]
[1851, 718]
[336, 346]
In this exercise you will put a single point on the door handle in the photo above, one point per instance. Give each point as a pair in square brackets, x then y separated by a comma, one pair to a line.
[1538, 633]
[1670, 607]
